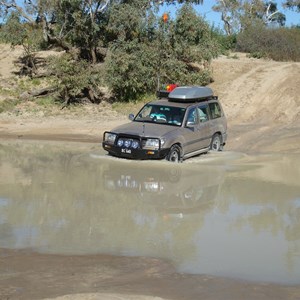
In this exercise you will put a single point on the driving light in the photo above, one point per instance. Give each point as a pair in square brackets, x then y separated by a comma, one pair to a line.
[110, 137]
[120, 142]
[127, 143]
[135, 144]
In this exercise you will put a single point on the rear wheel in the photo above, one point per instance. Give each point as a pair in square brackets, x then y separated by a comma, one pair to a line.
[216, 143]
[175, 154]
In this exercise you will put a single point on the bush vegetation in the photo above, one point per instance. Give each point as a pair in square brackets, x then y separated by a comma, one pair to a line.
[177, 51]
[280, 44]
[127, 47]
[136, 49]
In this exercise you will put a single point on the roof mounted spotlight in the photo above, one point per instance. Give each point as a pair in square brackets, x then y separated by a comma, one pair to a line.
[166, 89]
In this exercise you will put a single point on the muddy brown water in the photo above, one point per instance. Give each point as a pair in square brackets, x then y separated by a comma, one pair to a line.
[225, 214]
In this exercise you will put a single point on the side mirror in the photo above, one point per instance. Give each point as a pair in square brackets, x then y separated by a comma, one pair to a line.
[190, 124]
[131, 117]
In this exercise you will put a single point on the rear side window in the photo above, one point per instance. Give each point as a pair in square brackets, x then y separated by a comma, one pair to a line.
[215, 110]
[202, 113]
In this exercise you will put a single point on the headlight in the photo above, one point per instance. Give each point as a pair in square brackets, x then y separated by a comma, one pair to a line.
[152, 144]
[110, 137]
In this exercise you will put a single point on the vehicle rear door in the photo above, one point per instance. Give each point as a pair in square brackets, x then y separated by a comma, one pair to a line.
[204, 127]
[218, 121]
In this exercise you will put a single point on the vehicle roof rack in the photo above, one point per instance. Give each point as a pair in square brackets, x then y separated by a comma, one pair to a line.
[191, 94]
[162, 94]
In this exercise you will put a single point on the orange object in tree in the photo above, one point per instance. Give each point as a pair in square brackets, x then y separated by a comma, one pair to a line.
[165, 17]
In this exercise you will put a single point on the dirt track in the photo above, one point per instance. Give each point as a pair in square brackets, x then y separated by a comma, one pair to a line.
[261, 100]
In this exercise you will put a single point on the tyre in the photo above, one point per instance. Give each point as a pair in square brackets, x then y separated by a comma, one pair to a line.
[216, 143]
[175, 154]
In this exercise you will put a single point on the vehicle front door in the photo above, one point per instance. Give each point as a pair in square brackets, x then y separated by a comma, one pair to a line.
[191, 135]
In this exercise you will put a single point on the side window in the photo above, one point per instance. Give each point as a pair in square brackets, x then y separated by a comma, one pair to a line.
[192, 117]
[215, 110]
[202, 113]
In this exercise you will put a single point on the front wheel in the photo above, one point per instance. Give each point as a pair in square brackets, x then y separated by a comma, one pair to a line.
[175, 154]
[216, 143]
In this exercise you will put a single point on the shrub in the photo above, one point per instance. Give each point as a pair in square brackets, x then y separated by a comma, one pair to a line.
[8, 104]
[150, 52]
[280, 44]
[226, 42]
[74, 78]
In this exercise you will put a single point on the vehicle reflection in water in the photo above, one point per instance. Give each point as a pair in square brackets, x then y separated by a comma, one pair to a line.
[171, 189]
[218, 214]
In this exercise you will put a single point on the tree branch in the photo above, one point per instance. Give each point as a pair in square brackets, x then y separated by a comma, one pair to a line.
[19, 9]
[268, 16]
[103, 7]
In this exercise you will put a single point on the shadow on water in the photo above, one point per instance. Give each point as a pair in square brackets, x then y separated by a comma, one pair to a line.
[222, 214]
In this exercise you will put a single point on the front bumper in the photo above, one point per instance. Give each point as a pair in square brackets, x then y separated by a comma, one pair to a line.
[134, 153]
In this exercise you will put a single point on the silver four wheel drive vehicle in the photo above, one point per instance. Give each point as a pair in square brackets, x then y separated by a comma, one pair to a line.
[185, 122]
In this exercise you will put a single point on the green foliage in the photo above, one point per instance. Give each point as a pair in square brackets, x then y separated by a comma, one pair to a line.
[7, 105]
[131, 66]
[46, 102]
[281, 44]
[148, 51]
[292, 4]
[73, 78]
[17, 33]
[225, 42]
[238, 15]
[138, 51]
[131, 69]
[192, 37]
[130, 20]
[27, 35]
[79, 24]
[13, 31]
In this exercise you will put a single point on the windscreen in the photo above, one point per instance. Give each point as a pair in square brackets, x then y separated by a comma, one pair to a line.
[152, 113]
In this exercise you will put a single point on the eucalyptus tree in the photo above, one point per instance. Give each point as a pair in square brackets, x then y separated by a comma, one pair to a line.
[74, 25]
[71, 25]
[237, 15]
[292, 4]
[127, 35]
[149, 50]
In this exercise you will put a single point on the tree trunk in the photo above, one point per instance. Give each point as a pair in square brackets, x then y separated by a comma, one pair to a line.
[93, 55]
